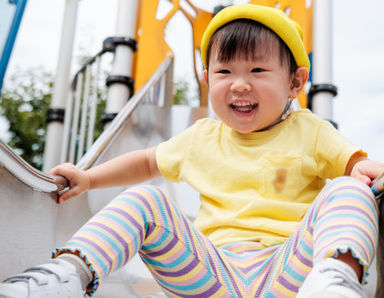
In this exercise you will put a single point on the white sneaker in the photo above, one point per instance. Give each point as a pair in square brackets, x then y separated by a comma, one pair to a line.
[56, 279]
[331, 278]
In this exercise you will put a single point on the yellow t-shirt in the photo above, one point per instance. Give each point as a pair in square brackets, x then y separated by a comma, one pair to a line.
[256, 186]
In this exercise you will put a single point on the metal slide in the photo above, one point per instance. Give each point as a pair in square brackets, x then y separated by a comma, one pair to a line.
[32, 224]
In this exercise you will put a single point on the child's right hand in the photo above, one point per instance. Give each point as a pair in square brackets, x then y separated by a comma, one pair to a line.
[79, 180]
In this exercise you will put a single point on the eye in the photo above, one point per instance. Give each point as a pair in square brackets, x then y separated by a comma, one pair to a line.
[257, 69]
[223, 71]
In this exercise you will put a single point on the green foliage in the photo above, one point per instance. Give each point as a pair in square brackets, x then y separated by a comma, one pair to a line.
[24, 103]
[180, 93]
[100, 108]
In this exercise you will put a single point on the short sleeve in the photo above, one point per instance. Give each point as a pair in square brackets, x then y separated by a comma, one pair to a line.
[171, 154]
[333, 151]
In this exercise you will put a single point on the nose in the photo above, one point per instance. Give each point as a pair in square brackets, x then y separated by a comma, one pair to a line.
[240, 84]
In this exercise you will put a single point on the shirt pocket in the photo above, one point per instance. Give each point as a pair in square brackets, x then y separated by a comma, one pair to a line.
[282, 177]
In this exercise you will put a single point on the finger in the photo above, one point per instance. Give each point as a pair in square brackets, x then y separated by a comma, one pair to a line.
[52, 172]
[61, 168]
[73, 192]
[373, 182]
[375, 172]
[61, 182]
[365, 179]
[64, 197]
[67, 172]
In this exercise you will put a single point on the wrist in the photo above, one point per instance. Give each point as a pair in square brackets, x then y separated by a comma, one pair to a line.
[355, 158]
[90, 186]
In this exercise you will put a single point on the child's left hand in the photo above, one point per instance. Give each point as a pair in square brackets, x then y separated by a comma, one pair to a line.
[367, 171]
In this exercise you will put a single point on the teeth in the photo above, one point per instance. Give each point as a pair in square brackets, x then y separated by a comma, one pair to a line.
[243, 107]
[242, 104]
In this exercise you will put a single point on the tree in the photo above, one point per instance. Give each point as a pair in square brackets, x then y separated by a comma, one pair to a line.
[24, 103]
[180, 92]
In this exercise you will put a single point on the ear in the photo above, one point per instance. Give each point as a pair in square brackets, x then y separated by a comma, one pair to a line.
[299, 78]
[205, 75]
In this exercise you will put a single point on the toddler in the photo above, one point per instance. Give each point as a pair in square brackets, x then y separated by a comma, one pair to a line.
[269, 224]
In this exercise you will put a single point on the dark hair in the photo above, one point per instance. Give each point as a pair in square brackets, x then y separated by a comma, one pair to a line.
[244, 38]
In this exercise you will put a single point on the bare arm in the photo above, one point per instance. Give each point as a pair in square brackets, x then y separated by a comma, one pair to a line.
[130, 168]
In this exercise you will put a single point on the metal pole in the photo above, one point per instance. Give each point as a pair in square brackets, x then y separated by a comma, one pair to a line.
[119, 93]
[55, 128]
[67, 128]
[93, 104]
[84, 113]
[322, 59]
[75, 121]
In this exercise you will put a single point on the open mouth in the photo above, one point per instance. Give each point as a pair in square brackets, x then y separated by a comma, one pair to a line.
[243, 107]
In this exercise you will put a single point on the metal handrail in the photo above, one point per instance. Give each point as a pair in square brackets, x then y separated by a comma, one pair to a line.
[105, 139]
[25, 172]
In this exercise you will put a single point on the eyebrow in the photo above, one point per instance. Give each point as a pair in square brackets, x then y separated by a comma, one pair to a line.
[253, 58]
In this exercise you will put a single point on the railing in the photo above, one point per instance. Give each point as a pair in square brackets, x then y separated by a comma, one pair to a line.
[32, 177]
[157, 91]
[80, 116]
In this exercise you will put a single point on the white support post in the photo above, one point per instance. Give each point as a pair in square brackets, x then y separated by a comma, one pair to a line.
[322, 104]
[118, 93]
[53, 144]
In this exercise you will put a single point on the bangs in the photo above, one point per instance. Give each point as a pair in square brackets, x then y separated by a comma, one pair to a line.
[250, 40]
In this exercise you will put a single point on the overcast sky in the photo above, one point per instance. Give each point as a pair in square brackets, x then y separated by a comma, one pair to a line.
[358, 55]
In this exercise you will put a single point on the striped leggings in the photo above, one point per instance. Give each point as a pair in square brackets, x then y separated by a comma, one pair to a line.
[186, 264]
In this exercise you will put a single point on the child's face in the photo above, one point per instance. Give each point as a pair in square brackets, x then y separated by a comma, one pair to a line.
[249, 95]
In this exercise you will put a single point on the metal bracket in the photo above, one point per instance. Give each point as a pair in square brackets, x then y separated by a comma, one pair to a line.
[55, 115]
[107, 117]
[322, 88]
[110, 43]
[317, 88]
[335, 125]
[127, 81]
[218, 8]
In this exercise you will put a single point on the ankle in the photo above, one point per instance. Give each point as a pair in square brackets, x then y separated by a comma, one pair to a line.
[350, 260]
[81, 267]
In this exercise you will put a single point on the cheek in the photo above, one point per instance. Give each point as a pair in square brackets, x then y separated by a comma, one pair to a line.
[216, 88]
[217, 99]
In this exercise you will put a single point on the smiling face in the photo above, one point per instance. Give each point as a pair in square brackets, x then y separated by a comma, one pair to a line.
[249, 95]
[250, 82]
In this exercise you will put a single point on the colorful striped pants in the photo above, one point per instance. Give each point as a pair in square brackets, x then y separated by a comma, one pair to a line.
[186, 264]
